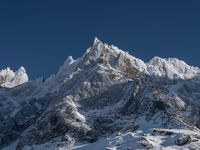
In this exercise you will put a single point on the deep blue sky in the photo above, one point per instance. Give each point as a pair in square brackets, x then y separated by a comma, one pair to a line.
[40, 34]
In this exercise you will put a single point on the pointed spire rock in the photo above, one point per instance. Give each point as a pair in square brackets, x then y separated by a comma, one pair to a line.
[96, 40]
[20, 76]
[21, 69]
[96, 43]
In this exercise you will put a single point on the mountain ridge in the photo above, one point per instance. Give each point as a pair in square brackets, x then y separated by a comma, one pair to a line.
[10, 79]
[169, 67]
[105, 98]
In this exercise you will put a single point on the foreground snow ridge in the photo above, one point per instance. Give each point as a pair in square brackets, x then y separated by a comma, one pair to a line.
[105, 100]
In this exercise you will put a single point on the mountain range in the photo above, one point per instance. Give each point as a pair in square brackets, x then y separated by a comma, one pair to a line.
[105, 100]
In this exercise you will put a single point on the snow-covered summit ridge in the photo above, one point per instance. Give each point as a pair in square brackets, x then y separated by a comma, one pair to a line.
[172, 68]
[163, 67]
[9, 78]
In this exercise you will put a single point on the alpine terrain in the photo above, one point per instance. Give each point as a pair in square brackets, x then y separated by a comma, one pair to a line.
[105, 100]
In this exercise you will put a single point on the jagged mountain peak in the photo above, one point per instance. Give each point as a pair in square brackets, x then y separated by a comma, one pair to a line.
[172, 68]
[97, 41]
[10, 79]
[21, 69]
[164, 67]
[97, 45]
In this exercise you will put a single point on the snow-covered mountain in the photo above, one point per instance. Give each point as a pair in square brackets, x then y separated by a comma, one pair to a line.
[107, 99]
[171, 68]
[9, 79]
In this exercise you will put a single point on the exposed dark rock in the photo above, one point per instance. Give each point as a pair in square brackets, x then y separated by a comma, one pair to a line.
[183, 140]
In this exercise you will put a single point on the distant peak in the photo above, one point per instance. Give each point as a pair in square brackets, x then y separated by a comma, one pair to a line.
[22, 69]
[9, 78]
[8, 68]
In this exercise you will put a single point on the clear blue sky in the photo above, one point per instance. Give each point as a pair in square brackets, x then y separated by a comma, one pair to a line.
[40, 34]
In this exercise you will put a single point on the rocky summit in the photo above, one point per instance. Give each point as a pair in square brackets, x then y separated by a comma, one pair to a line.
[105, 100]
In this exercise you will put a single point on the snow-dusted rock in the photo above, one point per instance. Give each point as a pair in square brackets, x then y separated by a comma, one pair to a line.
[94, 98]
[10, 79]
[171, 68]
